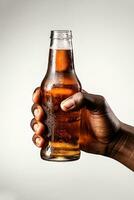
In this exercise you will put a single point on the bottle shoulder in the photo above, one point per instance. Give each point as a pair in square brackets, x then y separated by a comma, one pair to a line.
[61, 80]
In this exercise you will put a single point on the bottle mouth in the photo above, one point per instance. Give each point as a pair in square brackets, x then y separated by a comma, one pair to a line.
[61, 34]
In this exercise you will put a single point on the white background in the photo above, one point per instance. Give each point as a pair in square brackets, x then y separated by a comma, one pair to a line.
[103, 38]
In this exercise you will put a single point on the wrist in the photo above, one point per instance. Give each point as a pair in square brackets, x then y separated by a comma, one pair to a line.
[117, 143]
[121, 147]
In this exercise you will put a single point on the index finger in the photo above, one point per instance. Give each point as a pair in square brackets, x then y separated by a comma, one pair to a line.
[37, 95]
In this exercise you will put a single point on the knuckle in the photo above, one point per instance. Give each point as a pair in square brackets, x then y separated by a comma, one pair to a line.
[37, 111]
[101, 103]
[78, 98]
[40, 129]
[34, 138]
[36, 95]
[34, 106]
[37, 89]
[39, 142]
[32, 123]
[101, 99]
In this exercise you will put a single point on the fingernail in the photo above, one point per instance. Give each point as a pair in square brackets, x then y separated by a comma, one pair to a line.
[36, 112]
[36, 126]
[67, 104]
[38, 141]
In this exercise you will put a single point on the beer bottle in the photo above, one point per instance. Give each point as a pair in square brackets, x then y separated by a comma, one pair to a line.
[60, 82]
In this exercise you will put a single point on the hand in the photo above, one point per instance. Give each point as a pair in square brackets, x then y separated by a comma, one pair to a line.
[99, 125]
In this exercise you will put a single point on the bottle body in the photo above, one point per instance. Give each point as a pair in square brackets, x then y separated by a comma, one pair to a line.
[63, 128]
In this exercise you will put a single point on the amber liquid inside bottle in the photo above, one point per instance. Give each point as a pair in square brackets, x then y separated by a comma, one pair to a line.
[63, 128]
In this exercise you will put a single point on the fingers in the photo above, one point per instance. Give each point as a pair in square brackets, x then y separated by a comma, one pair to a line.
[37, 95]
[37, 127]
[36, 123]
[37, 112]
[38, 140]
[82, 99]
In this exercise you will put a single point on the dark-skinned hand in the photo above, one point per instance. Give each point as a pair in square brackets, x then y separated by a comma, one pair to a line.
[99, 125]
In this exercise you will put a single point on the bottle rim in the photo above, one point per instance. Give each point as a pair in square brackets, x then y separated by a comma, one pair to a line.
[61, 34]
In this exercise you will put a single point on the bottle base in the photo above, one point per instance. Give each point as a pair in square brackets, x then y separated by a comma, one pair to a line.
[60, 158]
[55, 152]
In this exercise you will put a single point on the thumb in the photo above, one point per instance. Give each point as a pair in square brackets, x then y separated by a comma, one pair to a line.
[83, 99]
[73, 102]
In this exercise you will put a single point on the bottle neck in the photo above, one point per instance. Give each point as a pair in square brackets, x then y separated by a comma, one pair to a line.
[61, 55]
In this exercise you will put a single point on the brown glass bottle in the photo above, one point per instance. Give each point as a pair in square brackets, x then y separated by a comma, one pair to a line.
[60, 82]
